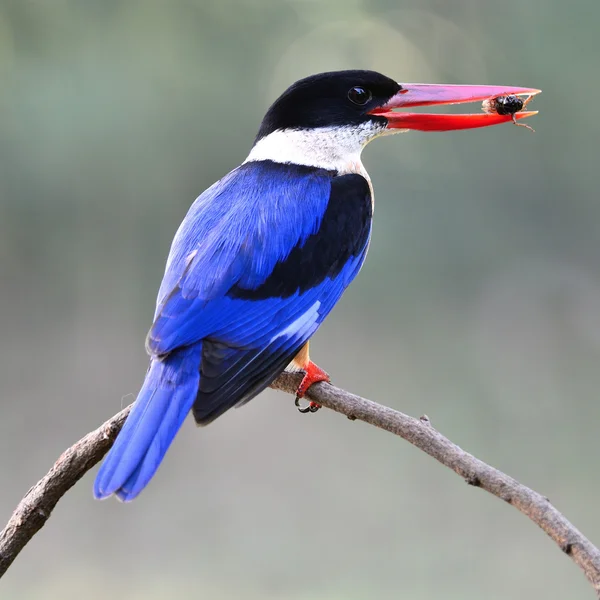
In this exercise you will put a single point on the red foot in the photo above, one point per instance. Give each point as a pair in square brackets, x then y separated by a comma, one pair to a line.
[312, 374]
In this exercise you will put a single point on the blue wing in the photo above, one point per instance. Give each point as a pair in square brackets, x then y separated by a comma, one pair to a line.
[257, 264]
[260, 260]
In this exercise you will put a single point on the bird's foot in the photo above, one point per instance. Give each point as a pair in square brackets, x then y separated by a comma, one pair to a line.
[310, 407]
[312, 374]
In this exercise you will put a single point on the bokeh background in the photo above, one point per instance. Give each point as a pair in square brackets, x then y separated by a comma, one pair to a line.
[479, 303]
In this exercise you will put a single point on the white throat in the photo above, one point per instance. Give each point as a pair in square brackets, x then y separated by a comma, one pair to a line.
[332, 148]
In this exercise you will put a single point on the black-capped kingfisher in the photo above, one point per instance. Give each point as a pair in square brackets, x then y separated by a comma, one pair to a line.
[264, 254]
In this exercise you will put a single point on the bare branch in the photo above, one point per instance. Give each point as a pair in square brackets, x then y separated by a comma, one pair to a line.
[35, 508]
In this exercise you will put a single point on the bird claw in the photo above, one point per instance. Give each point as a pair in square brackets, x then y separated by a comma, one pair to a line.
[312, 374]
[311, 407]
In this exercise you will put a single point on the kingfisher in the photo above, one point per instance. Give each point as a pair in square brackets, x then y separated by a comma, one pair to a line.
[264, 254]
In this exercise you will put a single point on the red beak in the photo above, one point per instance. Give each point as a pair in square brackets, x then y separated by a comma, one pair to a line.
[424, 94]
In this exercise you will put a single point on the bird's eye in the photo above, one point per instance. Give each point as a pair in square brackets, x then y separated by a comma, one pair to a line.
[359, 95]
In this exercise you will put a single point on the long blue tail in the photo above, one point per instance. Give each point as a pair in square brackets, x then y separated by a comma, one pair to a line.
[169, 390]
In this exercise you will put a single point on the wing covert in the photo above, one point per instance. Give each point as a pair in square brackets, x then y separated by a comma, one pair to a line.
[234, 233]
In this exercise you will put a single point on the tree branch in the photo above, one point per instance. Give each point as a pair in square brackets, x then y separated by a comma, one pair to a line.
[34, 509]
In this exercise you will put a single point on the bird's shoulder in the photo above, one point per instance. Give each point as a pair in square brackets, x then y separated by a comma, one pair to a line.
[256, 216]
[341, 233]
[267, 238]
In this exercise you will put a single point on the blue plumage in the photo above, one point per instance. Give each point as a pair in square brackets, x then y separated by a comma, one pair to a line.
[264, 254]
[163, 403]
[234, 233]
[255, 267]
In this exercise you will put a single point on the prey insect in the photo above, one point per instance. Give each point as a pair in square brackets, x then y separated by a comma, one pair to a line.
[508, 105]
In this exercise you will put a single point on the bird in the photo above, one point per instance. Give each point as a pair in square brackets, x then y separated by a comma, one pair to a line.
[265, 253]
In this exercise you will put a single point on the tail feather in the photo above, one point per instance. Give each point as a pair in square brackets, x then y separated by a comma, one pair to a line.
[178, 408]
[163, 403]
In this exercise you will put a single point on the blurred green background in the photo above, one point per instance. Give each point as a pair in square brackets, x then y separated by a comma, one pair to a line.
[479, 303]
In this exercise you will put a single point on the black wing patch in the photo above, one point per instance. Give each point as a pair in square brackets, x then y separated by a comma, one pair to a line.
[344, 233]
[229, 376]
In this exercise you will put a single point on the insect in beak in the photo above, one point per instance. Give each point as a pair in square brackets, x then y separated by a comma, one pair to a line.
[508, 105]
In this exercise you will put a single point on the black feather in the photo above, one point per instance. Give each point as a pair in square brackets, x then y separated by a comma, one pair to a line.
[343, 233]
[230, 376]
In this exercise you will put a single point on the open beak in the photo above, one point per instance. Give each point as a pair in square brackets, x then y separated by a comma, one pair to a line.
[425, 94]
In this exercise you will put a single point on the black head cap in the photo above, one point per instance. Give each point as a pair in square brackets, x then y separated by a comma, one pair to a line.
[329, 99]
